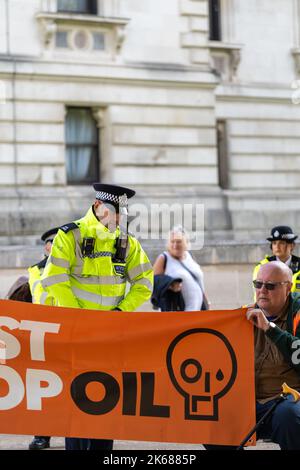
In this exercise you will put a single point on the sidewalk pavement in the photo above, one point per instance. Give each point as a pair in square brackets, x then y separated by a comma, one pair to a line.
[16, 442]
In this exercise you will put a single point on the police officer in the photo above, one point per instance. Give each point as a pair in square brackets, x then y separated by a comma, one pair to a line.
[40, 296]
[282, 245]
[91, 260]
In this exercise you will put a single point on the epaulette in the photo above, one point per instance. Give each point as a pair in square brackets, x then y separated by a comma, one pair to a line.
[295, 259]
[295, 264]
[68, 227]
[42, 263]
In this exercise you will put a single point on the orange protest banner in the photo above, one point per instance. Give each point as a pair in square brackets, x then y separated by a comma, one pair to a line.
[158, 376]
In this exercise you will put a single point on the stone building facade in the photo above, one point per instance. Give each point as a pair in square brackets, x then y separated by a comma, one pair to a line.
[186, 100]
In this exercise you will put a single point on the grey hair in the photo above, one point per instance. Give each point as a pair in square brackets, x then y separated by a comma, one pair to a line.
[179, 229]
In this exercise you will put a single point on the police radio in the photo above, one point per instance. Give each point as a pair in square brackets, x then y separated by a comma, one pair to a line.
[122, 240]
[88, 246]
[121, 247]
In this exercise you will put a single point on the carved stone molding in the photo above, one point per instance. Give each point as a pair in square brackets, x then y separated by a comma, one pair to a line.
[49, 28]
[53, 22]
[99, 115]
[225, 59]
[120, 37]
[296, 54]
[235, 59]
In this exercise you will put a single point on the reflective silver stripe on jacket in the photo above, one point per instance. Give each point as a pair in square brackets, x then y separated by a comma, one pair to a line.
[78, 253]
[43, 298]
[99, 279]
[141, 268]
[34, 285]
[60, 262]
[127, 247]
[33, 289]
[97, 299]
[49, 281]
[143, 282]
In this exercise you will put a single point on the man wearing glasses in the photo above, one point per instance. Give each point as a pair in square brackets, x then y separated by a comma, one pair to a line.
[276, 319]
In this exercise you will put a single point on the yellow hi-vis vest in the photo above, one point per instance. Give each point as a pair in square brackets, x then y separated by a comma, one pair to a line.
[39, 295]
[256, 269]
[267, 259]
[94, 281]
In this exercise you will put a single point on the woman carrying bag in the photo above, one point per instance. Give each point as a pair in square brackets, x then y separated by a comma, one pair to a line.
[177, 262]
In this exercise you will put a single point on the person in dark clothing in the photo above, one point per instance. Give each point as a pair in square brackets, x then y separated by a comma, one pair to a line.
[20, 290]
[167, 294]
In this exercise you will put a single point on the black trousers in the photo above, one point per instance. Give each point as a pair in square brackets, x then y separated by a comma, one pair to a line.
[74, 443]
[283, 427]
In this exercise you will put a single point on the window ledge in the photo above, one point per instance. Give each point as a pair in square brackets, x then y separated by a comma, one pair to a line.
[74, 18]
[226, 58]
[224, 46]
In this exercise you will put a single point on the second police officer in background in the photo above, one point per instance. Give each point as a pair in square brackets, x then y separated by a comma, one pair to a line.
[282, 245]
[91, 260]
[40, 296]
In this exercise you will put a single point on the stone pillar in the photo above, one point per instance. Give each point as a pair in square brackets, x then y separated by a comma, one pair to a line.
[102, 119]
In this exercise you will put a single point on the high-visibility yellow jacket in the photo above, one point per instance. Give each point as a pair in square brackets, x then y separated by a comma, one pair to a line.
[94, 281]
[295, 268]
[39, 295]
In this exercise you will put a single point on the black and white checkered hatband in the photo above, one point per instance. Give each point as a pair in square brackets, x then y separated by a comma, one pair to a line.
[121, 200]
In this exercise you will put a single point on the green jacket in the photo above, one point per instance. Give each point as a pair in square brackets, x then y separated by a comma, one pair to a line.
[284, 339]
[94, 281]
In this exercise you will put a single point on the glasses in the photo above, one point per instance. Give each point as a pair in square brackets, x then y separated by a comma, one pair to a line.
[268, 285]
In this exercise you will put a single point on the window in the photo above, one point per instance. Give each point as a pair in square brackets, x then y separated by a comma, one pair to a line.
[78, 6]
[61, 39]
[215, 20]
[82, 147]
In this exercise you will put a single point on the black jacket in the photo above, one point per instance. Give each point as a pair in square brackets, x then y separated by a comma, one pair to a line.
[163, 298]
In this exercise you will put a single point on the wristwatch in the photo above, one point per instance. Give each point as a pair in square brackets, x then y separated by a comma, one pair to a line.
[271, 325]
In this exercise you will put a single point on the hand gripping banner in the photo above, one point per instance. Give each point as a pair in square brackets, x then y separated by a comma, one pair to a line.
[150, 376]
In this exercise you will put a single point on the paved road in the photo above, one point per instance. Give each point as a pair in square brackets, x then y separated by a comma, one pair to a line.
[13, 442]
